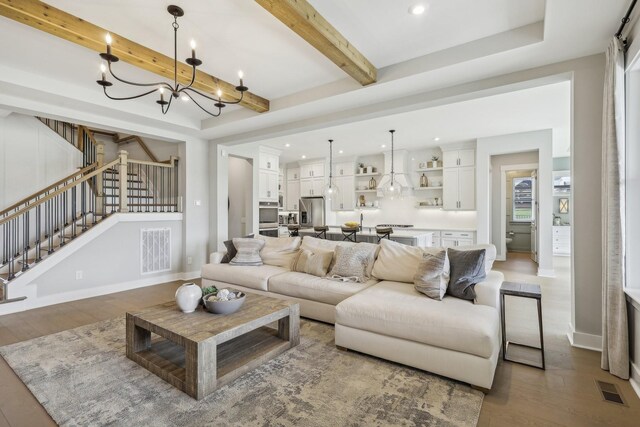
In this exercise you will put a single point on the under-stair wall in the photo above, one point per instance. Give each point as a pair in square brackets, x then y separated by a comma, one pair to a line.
[31, 157]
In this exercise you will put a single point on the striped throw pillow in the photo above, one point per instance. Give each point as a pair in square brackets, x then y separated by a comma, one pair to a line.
[248, 251]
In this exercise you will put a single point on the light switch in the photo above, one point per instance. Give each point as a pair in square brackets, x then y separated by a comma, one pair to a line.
[197, 202]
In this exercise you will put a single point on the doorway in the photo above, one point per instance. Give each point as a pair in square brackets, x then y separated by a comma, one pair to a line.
[239, 203]
[519, 210]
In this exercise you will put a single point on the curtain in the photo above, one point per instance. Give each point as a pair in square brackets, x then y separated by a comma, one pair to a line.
[615, 336]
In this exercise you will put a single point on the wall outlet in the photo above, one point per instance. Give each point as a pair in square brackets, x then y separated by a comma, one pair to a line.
[189, 260]
[79, 275]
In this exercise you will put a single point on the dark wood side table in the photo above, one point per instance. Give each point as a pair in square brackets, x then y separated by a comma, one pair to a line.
[524, 290]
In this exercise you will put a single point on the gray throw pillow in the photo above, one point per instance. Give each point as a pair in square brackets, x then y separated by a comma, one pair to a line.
[248, 252]
[431, 278]
[231, 250]
[352, 262]
[467, 269]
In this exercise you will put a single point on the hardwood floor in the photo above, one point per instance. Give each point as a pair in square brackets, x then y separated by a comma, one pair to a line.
[565, 394]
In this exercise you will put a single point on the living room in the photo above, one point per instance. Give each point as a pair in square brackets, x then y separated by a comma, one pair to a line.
[502, 154]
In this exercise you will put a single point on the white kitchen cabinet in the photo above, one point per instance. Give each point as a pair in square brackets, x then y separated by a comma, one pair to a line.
[457, 158]
[311, 187]
[293, 174]
[561, 240]
[293, 195]
[312, 170]
[459, 188]
[269, 162]
[346, 199]
[268, 186]
[452, 239]
[344, 169]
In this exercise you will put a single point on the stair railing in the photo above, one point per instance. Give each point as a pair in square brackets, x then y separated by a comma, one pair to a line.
[156, 187]
[64, 129]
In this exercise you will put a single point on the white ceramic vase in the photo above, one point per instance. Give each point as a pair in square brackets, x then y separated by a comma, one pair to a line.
[188, 296]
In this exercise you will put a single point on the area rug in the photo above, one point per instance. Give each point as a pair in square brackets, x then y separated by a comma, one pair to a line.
[83, 378]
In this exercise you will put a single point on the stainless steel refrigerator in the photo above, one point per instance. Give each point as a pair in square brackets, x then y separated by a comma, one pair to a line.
[311, 211]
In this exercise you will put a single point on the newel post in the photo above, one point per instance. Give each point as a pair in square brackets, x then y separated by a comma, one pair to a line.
[99, 181]
[123, 183]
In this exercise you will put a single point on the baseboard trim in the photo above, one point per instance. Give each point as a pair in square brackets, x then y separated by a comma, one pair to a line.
[583, 340]
[33, 301]
[635, 378]
[546, 273]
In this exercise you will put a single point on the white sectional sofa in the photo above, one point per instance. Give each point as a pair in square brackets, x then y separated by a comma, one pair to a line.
[455, 338]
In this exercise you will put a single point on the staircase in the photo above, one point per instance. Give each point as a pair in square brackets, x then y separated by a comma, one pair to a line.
[37, 226]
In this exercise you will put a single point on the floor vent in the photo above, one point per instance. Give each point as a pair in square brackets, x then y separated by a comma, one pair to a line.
[610, 393]
[155, 250]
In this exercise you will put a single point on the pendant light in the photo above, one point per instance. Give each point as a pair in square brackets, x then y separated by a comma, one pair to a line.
[331, 190]
[393, 188]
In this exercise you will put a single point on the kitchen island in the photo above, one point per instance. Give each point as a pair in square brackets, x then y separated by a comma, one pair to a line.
[368, 234]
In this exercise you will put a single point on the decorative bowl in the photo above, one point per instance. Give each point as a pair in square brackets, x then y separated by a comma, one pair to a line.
[351, 224]
[224, 307]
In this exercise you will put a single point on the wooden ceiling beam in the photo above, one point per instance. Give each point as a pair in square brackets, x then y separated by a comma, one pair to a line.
[59, 23]
[305, 21]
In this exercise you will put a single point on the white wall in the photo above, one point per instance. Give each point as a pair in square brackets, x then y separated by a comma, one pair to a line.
[240, 176]
[32, 156]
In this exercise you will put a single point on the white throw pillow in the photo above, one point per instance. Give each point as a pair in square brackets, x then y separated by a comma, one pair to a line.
[352, 262]
[398, 263]
[432, 277]
[279, 251]
[248, 252]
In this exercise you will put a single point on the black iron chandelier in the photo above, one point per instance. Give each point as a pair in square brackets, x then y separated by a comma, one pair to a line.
[174, 90]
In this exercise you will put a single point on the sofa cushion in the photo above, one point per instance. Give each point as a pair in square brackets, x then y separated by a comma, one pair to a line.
[248, 252]
[248, 276]
[431, 278]
[314, 244]
[467, 269]
[398, 310]
[352, 263]
[314, 288]
[314, 263]
[279, 251]
[398, 262]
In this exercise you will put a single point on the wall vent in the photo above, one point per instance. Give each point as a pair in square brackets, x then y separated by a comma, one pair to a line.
[155, 250]
[610, 393]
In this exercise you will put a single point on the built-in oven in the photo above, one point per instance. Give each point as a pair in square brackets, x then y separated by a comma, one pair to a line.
[268, 219]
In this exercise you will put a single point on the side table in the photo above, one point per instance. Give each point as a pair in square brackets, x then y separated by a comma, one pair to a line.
[524, 290]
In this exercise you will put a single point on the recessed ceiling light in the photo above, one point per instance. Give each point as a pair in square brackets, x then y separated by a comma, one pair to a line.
[304, 157]
[185, 98]
[287, 145]
[417, 9]
[383, 146]
[436, 139]
[340, 152]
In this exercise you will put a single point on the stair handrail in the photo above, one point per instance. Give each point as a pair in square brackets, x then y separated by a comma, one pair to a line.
[42, 192]
[59, 191]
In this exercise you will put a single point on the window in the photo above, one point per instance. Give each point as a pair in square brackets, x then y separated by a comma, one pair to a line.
[522, 199]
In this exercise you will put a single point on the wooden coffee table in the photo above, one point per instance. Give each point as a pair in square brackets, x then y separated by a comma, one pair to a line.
[202, 351]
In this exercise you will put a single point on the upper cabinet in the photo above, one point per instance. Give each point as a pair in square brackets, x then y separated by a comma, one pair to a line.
[312, 170]
[293, 174]
[344, 169]
[269, 162]
[458, 158]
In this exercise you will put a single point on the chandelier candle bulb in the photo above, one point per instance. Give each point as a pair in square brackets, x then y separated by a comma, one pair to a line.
[103, 70]
[240, 76]
[193, 49]
[108, 39]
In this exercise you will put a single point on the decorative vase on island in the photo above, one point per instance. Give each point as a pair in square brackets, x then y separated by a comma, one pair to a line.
[423, 181]
[188, 297]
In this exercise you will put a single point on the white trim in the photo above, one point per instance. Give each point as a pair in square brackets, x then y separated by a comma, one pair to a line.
[503, 206]
[635, 378]
[583, 340]
[34, 302]
[546, 272]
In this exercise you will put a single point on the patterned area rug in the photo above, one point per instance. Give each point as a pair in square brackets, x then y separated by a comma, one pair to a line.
[82, 377]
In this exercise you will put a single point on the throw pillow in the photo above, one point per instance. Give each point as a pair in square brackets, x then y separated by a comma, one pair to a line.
[316, 264]
[398, 263]
[279, 251]
[352, 263]
[467, 269]
[248, 251]
[431, 278]
[231, 250]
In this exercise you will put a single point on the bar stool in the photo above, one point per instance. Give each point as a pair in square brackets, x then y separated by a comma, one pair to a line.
[293, 230]
[384, 233]
[321, 231]
[349, 233]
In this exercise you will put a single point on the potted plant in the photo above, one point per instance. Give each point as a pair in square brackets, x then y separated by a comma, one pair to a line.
[434, 161]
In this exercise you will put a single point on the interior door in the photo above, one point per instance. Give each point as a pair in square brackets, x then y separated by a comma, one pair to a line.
[534, 216]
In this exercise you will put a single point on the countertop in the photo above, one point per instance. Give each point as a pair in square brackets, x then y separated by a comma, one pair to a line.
[419, 229]
[371, 231]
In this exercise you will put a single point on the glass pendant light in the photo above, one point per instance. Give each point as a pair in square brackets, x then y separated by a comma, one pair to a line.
[331, 190]
[393, 188]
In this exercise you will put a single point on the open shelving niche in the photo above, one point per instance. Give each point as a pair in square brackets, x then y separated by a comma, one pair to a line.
[433, 174]
[362, 179]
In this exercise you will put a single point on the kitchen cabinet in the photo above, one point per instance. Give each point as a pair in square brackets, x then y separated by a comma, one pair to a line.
[269, 162]
[459, 188]
[561, 240]
[457, 158]
[452, 239]
[311, 187]
[293, 174]
[268, 186]
[312, 170]
[344, 169]
[293, 195]
[346, 198]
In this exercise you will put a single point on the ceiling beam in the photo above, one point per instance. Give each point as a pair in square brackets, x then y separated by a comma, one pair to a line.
[54, 21]
[305, 21]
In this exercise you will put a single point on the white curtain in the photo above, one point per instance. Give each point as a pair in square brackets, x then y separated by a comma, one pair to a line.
[615, 335]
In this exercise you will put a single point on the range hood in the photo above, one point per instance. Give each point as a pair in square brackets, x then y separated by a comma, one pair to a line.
[401, 169]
